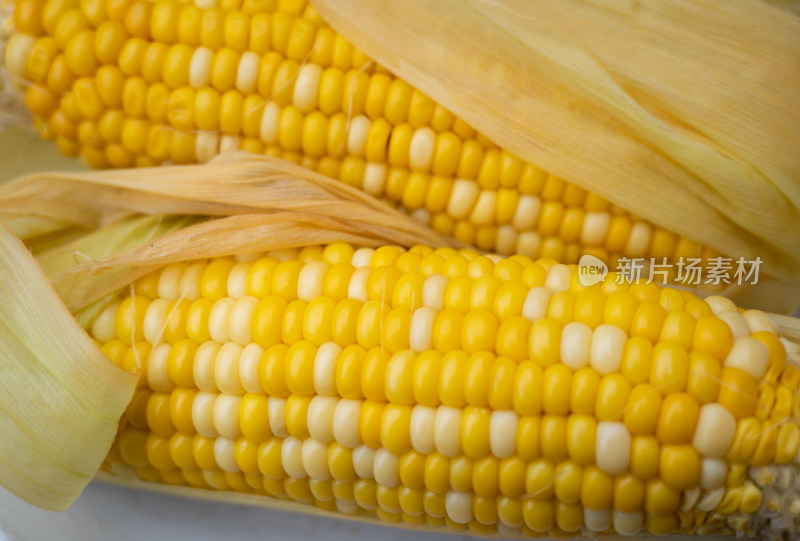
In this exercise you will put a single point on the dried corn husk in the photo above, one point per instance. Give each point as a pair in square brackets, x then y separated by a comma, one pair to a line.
[260, 203]
[685, 111]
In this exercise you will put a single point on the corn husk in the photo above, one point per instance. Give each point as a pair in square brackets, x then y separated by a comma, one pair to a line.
[686, 112]
[257, 203]
[61, 397]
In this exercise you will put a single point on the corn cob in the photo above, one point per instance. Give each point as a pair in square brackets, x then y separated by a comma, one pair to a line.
[141, 83]
[446, 388]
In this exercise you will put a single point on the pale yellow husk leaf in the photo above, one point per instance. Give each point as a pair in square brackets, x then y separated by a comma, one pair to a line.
[61, 397]
[686, 112]
[260, 203]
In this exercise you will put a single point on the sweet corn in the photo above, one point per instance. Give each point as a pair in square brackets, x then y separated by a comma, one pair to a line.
[273, 78]
[367, 381]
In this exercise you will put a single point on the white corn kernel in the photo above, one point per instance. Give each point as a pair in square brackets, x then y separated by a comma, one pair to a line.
[558, 277]
[433, 291]
[362, 257]
[321, 411]
[421, 215]
[385, 467]
[200, 67]
[155, 319]
[501, 425]
[203, 414]
[226, 416]
[18, 50]
[345, 423]
[169, 281]
[638, 240]
[749, 355]
[628, 523]
[237, 279]
[759, 321]
[576, 339]
[483, 213]
[420, 152]
[421, 329]
[536, 302]
[715, 430]
[325, 368]
[206, 145]
[375, 178]
[247, 74]
[719, 304]
[447, 431]
[240, 322]
[458, 506]
[203, 369]
[292, 458]
[226, 369]
[612, 447]
[689, 499]
[363, 461]
[189, 286]
[527, 212]
[737, 323]
[315, 459]
[157, 373]
[597, 521]
[357, 136]
[710, 499]
[218, 320]
[357, 289]
[276, 412]
[104, 326]
[595, 227]
[224, 454]
[712, 473]
[423, 429]
[311, 282]
[462, 198]
[608, 343]
[249, 363]
[269, 131]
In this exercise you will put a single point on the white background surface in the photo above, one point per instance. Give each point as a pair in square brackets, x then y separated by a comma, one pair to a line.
[105, 512]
